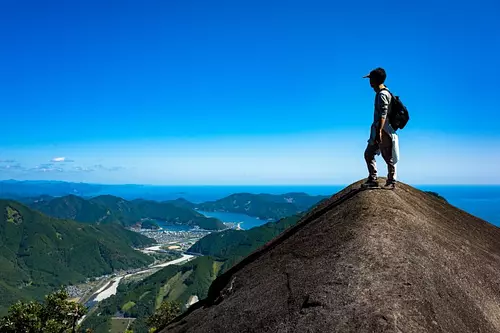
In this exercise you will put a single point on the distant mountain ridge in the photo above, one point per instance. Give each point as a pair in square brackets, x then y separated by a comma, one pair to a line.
[264, 206]
[283, 204]
[108, 209]
[39, 253]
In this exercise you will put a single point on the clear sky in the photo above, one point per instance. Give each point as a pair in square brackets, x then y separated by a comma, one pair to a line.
[245, 92]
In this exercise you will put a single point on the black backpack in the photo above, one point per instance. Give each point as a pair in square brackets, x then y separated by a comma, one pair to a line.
[398, 117]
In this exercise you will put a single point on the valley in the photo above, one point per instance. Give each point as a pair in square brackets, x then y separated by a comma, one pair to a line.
[172, 237]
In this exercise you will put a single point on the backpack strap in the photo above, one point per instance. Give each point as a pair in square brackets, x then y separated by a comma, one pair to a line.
[385, 88]
[390, 93]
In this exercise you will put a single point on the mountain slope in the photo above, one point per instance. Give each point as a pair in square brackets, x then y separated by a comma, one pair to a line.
[74, 208]
[173, 283]
[39, 253]
[181, 202]
[364, 261]
[231, 246]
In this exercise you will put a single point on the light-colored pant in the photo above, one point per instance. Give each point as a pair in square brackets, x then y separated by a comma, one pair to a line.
[385, 148]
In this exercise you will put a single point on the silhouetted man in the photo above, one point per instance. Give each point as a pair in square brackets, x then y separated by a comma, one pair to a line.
[381, 133]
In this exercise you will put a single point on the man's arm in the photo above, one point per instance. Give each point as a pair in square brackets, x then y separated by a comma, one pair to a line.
[384, 109]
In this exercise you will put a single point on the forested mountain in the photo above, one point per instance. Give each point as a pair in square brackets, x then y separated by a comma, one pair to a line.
[74, 208]
[181, 202]
[39, 253]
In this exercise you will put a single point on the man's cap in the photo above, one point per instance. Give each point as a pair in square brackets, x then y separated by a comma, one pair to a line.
[377, 73]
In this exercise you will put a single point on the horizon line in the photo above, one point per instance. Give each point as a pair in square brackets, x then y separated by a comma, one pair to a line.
[243, 185]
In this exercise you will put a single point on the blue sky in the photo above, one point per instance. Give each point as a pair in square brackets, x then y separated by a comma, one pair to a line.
[245, 92]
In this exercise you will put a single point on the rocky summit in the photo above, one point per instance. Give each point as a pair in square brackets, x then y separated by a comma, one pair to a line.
[363, 261]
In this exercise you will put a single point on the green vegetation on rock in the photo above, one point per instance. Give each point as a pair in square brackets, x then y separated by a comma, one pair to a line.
[435, 194]
[163, 315]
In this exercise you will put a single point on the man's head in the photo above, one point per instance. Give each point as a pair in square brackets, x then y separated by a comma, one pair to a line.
[377, 77]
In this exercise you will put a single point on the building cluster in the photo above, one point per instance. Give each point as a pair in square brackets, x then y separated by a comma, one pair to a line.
[183, 238]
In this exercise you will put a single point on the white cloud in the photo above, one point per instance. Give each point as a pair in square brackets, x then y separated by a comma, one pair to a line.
[60, 159]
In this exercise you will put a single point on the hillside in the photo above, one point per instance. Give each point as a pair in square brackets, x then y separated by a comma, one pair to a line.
[364, 261]
[74, 208]
[107, 209]
[230, 246]
[178, 283]
[264, 206]
[39, 253]
[140, 299]
[181, 202]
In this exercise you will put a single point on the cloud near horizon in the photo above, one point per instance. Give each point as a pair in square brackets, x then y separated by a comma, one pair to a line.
[12, 168]
[324, 158]
[61, 159]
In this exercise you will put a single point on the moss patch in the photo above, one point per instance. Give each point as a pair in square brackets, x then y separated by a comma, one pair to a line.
[127, 306]
[13, 216]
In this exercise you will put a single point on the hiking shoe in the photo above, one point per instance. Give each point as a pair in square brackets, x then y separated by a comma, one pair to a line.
[390, 185]
[370, 183]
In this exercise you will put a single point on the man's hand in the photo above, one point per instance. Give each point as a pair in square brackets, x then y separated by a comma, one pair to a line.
[380, 128]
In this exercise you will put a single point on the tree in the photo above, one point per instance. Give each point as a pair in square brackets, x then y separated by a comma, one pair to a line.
[56, 315]
[164, 315]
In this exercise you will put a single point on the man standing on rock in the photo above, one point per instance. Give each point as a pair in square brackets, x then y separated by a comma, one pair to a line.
[382, 135]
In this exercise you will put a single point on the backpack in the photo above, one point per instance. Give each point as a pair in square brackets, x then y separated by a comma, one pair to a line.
[399, 116]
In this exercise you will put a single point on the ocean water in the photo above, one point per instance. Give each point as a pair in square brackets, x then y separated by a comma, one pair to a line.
[481, 201]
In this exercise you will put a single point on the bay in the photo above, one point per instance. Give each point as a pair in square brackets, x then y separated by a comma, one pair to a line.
[247, 222]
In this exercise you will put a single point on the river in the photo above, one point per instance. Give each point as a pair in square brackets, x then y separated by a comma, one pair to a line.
[111, 287]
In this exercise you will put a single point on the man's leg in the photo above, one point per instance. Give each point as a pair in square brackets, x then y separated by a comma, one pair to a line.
[386, 150]
[370, 152]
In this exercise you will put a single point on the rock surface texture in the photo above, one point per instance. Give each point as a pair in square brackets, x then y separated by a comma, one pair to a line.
[364, 261]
